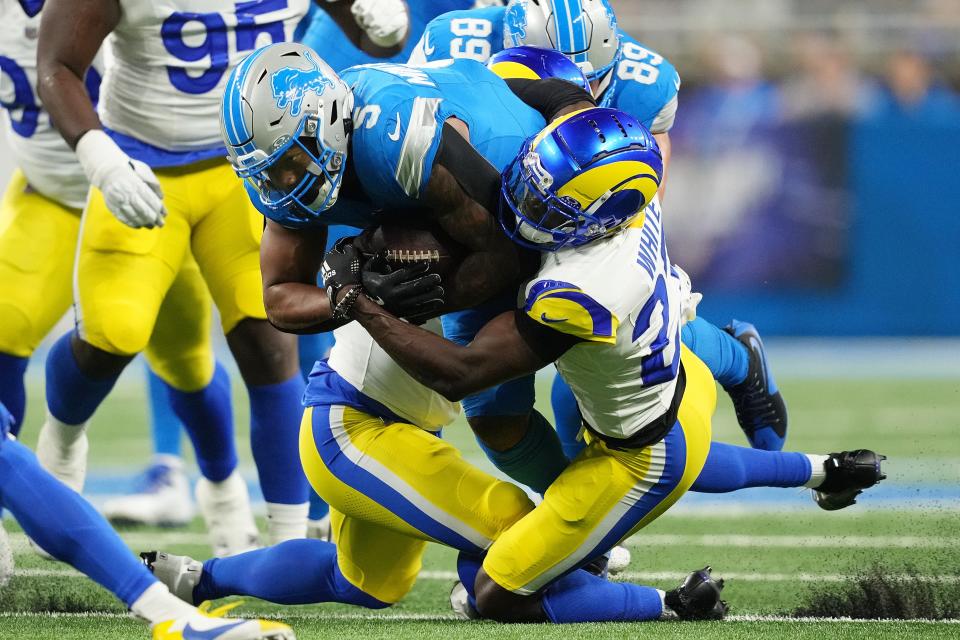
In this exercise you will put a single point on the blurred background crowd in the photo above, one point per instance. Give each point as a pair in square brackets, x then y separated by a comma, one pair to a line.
[815, 157]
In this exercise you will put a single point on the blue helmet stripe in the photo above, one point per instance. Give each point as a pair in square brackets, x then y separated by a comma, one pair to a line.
[571, 28]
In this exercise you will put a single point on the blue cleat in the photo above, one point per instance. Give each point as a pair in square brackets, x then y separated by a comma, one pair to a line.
[761, 412]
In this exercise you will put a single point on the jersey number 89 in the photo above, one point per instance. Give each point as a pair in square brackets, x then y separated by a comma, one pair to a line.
[639, 64]
[471, 41]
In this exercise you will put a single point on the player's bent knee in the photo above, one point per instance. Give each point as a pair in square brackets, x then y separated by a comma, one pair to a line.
[120, 329]
[499, 432]
[16, 334]
[189, 374]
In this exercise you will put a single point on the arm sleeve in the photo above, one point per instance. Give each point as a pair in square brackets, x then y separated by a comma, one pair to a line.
[479, 179]
[549, 96]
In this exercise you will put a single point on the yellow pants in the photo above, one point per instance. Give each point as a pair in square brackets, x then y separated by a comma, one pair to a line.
[392, 486]
[38, 246]
[123, 274]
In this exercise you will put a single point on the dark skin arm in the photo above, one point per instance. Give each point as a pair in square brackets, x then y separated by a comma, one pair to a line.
[71, 32]
[663, 140]
[498, 353]
[494, 263]
[340, 12]
[289, 263]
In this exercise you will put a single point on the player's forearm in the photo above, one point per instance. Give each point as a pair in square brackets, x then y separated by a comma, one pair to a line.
[433, 361]
[295, 307]
[65, 98]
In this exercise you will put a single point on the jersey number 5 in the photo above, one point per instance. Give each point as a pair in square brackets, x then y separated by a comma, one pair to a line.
[215, 44]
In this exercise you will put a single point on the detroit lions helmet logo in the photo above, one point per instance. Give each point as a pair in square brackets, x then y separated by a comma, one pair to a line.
[515, 22]
[290, 85]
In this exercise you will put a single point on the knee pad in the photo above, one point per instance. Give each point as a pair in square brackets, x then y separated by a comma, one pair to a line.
[16, 333]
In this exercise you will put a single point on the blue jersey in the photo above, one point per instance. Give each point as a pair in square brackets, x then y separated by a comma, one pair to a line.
[643, 83]
[324, 36]
[398, 119]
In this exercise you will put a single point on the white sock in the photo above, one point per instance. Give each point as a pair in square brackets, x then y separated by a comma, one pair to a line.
[817, 472]
[286, 521]
[62, 450]
[666, 613]
[168, 460]
[157, 605]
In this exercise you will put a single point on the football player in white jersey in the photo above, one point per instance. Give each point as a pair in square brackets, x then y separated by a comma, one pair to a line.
[162, 189]
[605, 306]
[39, 227]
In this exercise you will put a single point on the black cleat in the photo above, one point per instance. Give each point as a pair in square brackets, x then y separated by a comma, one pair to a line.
[848, 474]
[698, 597]
[761, 412]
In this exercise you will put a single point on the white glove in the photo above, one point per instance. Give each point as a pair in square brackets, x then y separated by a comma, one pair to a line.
[385, 22]
[689, 299]
[130, 189]
[480, 4]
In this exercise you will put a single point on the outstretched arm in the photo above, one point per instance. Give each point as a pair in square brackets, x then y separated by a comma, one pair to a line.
[509, 346]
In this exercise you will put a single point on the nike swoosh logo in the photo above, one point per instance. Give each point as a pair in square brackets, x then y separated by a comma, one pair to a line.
[755, 344]
[189, 633]
[396, 132]
[544, 317]
[428, 48]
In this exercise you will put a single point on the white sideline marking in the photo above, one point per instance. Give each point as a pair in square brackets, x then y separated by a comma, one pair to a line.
[633, 576]
[427, 617]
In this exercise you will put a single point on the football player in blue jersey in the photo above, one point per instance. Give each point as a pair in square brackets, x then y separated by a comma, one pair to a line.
[626, 75]
[70, 530]
[351, 32]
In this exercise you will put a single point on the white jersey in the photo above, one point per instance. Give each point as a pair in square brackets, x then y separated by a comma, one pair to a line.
[366, 366]
[49, 165]
[622, 298]
[170, 61]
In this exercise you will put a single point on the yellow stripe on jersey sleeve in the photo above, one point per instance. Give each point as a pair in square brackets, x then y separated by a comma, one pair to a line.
[566, 308]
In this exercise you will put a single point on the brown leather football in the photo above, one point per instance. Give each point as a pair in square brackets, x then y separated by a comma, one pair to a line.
[407, 244]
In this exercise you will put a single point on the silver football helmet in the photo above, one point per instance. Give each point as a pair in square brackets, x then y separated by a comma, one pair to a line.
[583, 30]
[286, 122]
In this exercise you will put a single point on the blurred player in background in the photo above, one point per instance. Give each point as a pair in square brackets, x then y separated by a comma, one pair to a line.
[39, 227]
[162, 191]
[70, 530]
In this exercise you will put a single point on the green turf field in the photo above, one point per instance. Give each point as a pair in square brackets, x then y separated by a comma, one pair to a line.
[773, 553]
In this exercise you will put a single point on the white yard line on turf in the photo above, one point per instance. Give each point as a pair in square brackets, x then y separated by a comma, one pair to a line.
[634, 576]
[428, 617]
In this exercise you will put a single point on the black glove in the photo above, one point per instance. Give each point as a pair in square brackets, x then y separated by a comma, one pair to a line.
[409, 293]
[340, 270]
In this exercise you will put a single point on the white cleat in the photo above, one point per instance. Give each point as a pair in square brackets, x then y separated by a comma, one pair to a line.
[62, 450]
[319, 529]
[226, 509]
[207, 625]
[6, 557]
[165, 500]
[180, 574]
[619, 560]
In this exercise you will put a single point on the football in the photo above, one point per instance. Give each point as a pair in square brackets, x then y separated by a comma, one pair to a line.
[408, 244]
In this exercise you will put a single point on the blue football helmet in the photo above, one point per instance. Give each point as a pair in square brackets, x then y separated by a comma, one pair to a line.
[286, 120]
[536, 63]
[583, 177]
